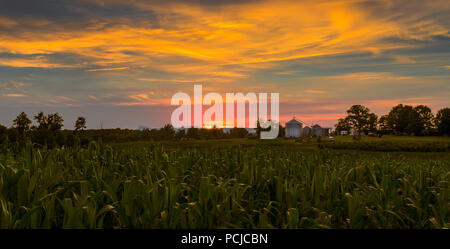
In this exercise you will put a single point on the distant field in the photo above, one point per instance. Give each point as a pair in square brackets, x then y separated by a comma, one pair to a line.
[396, 139]
[401, 143]
[236, 183]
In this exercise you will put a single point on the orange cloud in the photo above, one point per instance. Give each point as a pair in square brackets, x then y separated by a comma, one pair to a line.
[13, 95]
[255, 32]
[314, 91]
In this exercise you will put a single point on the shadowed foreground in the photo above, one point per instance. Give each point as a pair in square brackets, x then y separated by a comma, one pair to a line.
[259, 186]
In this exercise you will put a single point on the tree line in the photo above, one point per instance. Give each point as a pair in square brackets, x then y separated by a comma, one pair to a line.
[401, 120]
[47, 129]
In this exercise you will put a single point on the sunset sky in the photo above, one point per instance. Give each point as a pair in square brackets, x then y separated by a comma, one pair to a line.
[118, 63]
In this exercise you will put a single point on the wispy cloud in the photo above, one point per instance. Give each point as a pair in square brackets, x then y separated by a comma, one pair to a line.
[107, 69]
[39, 62]
[14, 85]
[314, 91]
[13, 95]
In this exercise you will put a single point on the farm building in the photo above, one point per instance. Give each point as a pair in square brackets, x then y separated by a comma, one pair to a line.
[318, 130]
[306, 131]
[293, 128]
[352, 132]
[326, 131]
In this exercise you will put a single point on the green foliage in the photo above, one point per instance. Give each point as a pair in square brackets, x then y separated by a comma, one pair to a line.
[443, 121]
[360, 119]
[405, 119]
[343, 125]
[206, 184]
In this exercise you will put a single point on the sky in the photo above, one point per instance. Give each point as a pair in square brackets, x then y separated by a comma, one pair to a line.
[118, 63]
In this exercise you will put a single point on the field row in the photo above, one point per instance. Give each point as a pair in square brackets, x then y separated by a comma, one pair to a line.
[264, 186]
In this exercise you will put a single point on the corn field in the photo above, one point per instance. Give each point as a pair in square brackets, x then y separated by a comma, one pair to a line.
[151, 186]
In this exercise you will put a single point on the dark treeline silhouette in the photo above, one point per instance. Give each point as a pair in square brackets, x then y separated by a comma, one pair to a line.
[401, 120]
[47, 129]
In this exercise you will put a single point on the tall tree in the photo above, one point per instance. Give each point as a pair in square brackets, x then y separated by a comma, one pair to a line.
[360, 118]
[80, 124]
[411, 120]
[371, 125]
[443, 121]
[383, 125]
[342, 125]
[401, 118]
[41, 119]
[425, 122]
[22, 122]
[53, 122]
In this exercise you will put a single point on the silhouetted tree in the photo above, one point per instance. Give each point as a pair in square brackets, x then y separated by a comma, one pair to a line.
[400, 119]
[360, 119]
[383, 125]
[167, 132]
[22, 123]
[443, 121]
[53, 122]
[41, 119]
[343, 125]
[3, 133]
[405, 119]
[80, 124]
[425, 120]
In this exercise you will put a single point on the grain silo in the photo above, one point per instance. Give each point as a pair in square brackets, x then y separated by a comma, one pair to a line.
[293, 128]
